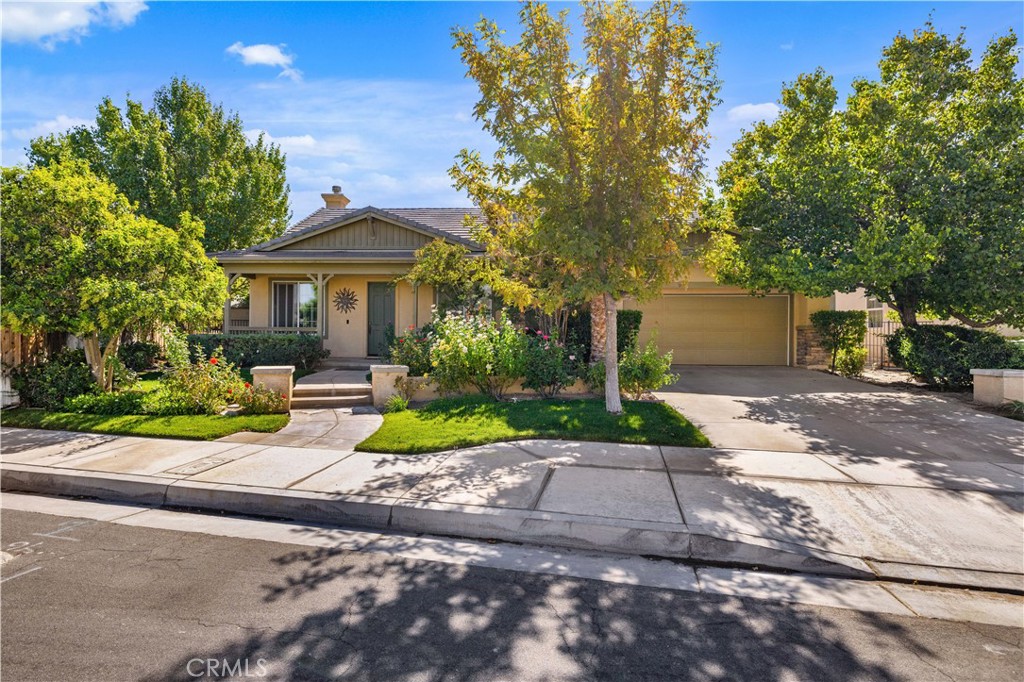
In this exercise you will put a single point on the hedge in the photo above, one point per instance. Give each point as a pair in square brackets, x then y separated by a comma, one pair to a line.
[943, 355]
[248, 350]
[627, 330]
[841, 332]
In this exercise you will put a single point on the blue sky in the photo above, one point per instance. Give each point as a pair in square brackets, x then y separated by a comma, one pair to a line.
[371, 96]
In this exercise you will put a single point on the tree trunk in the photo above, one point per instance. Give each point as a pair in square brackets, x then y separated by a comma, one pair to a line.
[612, 399]
[598, 329]
[100, 361]
[907, 313]
[109, 353]
[94, 357]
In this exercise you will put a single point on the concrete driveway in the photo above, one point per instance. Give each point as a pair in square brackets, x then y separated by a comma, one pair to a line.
[799, 410]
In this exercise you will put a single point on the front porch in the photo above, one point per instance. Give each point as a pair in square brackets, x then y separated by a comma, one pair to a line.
[354, 313]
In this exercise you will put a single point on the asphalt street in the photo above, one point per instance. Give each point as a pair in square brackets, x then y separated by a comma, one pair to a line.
[89, 600]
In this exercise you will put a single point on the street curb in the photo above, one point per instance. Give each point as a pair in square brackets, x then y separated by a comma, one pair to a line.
[666, 540]
[655, 539]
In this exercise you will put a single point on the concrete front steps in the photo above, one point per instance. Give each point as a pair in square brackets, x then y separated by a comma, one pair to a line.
[350, 364]
[331, 389]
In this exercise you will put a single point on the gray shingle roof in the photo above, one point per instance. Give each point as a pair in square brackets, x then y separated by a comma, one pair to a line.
[447, 220]
[440, 222]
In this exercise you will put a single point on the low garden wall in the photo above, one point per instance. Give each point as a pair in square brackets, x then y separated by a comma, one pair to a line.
[277, 378]
[385, 380]
[998, 386]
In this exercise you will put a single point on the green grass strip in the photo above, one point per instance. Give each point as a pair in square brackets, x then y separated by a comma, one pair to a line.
[476, 420]
[192, 427]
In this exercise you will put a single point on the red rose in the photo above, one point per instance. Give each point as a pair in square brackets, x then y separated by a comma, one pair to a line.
[213, 361]
[248, 385]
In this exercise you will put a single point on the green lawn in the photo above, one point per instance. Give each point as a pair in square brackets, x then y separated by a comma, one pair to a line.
[193, 427]
[476, 420]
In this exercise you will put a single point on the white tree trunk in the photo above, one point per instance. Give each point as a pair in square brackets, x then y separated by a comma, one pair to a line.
[99, 361]
[612, 399]
[94, 357]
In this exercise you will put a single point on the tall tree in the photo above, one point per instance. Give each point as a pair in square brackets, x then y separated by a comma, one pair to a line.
[913, 191]
[77, 259]
[185, 154]
[598, 162]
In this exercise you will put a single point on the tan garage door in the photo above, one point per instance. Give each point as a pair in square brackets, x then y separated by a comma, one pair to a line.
[719, 330]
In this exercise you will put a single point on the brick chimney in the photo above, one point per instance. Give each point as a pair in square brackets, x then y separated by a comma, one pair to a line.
[335, 199]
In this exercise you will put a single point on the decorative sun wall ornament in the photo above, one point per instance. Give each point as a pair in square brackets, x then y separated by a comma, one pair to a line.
[345, 300]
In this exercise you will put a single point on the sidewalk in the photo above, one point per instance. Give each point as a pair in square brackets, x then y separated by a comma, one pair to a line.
[946, 522]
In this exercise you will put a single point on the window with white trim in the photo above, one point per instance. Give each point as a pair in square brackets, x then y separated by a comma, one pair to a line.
[294, 305]
[876, 313]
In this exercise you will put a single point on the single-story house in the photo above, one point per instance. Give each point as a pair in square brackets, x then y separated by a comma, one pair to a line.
[332, 273]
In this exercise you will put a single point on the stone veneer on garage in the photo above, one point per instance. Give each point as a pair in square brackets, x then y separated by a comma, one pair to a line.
[809, 351]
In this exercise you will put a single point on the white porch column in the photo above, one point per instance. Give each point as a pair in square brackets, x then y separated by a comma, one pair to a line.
[416, 305]
[227, 303]
[321, 279]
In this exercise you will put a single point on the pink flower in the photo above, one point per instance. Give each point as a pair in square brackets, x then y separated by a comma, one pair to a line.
[572, 357]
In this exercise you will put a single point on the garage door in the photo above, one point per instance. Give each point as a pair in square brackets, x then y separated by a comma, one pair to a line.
[719, 329]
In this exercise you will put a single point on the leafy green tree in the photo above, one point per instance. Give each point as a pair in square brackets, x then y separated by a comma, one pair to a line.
[76, 258]
[185, 154]
[458, 278]
[913, 190]
[598, 163]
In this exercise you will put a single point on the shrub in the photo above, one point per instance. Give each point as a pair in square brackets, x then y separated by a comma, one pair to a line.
[627, 330]
[642, 370]
[850, 362]
[304, 351]
[1013, 409]
[407, 387]
[479, 351]
[205, 386]
[124, 377]
[413, 350]
[396, 403]
[139, 356]
[260, 400]
[840, 330]
[49, 384]
[944, 355]
[550, 366]
[115, 404]
[593, 375]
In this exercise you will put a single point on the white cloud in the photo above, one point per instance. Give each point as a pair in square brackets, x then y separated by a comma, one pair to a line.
[747, 113]
[264, 54]
[49, 127]
[307, 145]
[786, 46]
[50, 23]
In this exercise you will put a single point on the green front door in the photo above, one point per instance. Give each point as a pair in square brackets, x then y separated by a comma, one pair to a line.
[381, 297]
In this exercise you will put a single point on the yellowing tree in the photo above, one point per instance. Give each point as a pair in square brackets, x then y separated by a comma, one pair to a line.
[598, 166]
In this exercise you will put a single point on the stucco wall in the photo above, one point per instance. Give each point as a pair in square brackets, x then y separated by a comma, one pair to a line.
[346, 333]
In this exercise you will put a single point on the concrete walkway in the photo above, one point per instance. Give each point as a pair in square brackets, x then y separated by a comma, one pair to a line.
[950, 522]
[327, 429]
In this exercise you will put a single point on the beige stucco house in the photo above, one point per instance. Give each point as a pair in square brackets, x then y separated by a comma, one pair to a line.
[332, 273]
